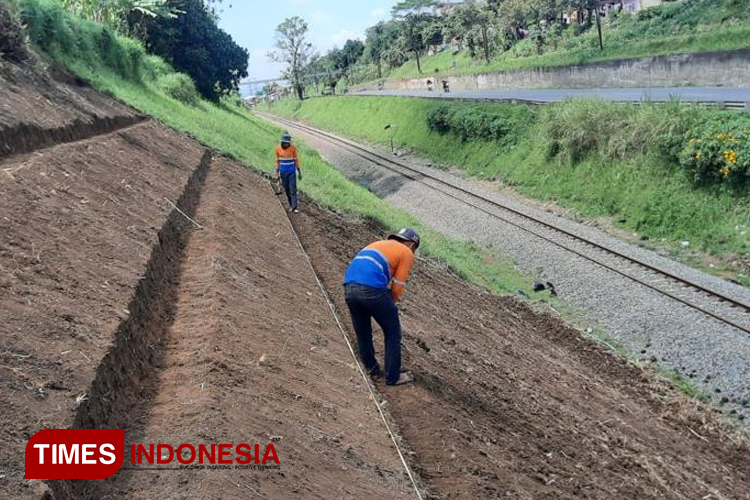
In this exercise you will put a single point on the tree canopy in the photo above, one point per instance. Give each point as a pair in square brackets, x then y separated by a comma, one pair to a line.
[293, 49]
[115, 12]
[194, 44]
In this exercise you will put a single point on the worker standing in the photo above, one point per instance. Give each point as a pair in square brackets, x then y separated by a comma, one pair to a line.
[373, 285]
[287, 168]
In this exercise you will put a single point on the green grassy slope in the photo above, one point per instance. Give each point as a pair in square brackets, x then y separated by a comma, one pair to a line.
[677, 27]
[121, 69]
[602, 159]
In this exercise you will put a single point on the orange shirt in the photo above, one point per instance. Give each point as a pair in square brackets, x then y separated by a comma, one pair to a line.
[286, 159]
[368, 267]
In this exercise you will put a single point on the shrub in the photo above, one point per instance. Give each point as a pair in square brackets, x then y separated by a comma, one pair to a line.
[469, 123]
[653, 128]
[178, 86]
[439, 119]
[575, 129]
[47, 25]
[66, 37]
[717, 150]
[153, 67]
[131, 54]
[12, 40]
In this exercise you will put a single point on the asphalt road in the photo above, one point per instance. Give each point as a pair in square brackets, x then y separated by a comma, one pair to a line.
[661, 94]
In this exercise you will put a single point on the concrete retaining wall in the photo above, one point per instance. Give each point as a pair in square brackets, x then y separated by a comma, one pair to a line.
[725, 68]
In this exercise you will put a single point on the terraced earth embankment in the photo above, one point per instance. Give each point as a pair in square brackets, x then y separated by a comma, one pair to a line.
[149, 284]
[117, 312]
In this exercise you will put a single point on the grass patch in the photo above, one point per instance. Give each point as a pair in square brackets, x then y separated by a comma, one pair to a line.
[602, 159]
[683, 384]
[178, 86]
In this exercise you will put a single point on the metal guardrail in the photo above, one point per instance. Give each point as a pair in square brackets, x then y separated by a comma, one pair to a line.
[735, 105]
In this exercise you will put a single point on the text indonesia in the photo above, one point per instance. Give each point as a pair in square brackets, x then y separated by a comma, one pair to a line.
[100, 453]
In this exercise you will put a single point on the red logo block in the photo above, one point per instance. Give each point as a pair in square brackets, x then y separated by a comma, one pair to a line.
[75, 453]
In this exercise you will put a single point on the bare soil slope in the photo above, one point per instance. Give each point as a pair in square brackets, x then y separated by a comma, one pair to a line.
[115, 313]
[509, 403]
[253, 353]
[77, 228]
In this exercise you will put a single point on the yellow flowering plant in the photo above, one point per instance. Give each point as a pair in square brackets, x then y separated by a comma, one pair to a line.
[717, 150]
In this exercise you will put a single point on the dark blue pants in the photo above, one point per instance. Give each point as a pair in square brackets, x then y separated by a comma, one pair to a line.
[289, 180]
[366, 303]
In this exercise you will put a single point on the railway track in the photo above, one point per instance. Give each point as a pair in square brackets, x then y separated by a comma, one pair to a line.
[722, 307]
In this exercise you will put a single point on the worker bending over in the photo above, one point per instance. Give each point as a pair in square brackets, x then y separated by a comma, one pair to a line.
[287, 167]
[373, 285]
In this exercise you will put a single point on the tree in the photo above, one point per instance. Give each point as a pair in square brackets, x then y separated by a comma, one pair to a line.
[381, 40]
[293, 50]
[433, 33]
[347, 56]
[334, 65]
[468, 17]
[395, 55]
[414, 20]
[318, 70]
[512, 16]
[351, 52]
[193, 43]
[375, 45]
[115, 12]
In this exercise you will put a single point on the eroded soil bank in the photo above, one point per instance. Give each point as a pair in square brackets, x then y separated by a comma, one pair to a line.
[510, 403]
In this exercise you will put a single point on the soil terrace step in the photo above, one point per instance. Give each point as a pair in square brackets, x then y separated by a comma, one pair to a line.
[252, 353]
[40, 110]
[78, 225]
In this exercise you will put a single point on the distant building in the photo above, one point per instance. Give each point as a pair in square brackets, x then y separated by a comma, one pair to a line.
[606, 7]
[446, 7]
[621, 6]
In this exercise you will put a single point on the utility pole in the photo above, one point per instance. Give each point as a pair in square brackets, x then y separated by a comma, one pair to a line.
[599, 25]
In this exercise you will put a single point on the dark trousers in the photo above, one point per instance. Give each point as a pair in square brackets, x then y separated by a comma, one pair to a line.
[289, 181]
[366, 303]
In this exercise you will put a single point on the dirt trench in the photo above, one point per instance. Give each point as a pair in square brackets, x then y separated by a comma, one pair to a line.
[510, 403]
[79, 221]
[126, 376]
[116, 311]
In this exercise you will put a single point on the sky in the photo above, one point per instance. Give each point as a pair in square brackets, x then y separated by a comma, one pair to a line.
[252, 24]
